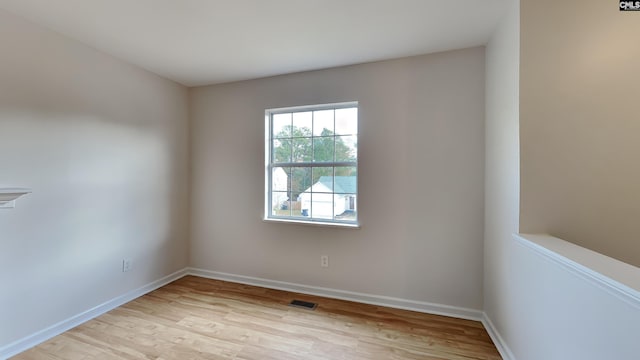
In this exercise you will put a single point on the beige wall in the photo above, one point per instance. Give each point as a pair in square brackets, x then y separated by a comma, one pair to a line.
[421, 172]
[502, 173]
[104, 146]
[579, 124]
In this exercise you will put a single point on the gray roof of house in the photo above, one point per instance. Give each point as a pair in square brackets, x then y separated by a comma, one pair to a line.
[343, 184]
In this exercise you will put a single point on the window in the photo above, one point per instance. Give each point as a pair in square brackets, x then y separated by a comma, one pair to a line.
[312, 164]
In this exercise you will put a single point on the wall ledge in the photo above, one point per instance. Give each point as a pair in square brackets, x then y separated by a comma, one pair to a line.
[616, 277]
[8, 196]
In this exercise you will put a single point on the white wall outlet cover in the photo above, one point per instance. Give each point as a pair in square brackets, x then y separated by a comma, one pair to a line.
[324, 261]
[126, 265]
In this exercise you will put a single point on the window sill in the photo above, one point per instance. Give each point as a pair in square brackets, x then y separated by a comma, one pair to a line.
[314, 223]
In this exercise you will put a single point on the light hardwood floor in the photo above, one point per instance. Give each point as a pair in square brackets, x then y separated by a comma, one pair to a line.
[196, 318]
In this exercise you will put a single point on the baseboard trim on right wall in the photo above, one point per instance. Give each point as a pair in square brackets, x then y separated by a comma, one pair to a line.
[498, 341]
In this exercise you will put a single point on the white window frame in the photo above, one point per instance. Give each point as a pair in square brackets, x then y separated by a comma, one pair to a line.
[269, 166]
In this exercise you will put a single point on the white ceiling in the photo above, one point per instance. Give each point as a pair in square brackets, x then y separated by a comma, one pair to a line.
[199, 42]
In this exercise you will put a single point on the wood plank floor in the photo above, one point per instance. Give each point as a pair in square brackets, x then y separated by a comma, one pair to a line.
[196, 318]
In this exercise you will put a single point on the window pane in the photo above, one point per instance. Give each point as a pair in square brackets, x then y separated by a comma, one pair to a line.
[347, 121]
[280, 179]
[323, 179]
[344, 184]
[300, 181]
[295, 208]
[346, 148]
[281, 150]
[323, 122]
[321, 206]
[279, 203]
[346, 171]
[302, 124]
[345, 206]
[281, 125]
[323, 148]
[302, 149]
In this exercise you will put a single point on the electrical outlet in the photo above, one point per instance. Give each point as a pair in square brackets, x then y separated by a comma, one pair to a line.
[126, 265]
[324, 261]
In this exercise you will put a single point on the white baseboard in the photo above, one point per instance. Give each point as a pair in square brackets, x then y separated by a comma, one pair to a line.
[41, 336]
[424, 307]
[498, 341]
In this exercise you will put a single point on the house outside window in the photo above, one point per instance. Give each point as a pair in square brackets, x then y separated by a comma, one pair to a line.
[312, 164]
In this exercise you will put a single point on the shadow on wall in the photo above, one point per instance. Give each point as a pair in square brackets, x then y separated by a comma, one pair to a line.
[102, 191]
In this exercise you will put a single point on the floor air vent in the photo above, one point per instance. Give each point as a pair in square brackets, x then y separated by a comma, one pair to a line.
[303, 304]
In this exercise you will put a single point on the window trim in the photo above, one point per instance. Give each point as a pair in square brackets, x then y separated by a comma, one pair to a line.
[269, 166]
